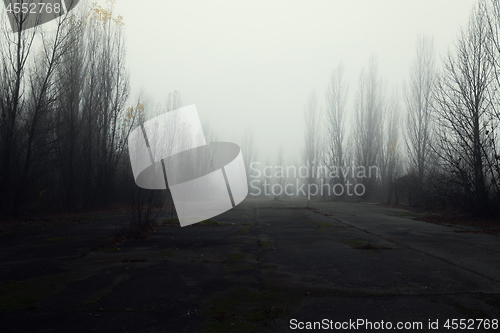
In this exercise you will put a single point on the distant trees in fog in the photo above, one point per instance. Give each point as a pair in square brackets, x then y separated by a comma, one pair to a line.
[249, 151]
[449, 122]
[418, 97]
[335, 115]
[390, 155]
[368, 125]
[64, 121]
[311, 155]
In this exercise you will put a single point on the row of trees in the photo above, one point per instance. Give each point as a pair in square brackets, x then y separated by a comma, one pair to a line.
[63, 119]
[448, 120]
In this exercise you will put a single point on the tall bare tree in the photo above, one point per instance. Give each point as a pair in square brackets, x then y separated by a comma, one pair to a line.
[67, 116]
[464, 114]
[248, 150]
[15, 51]
[492, 8]
[390, 157]
[336, 99]
[28, 99]
[418, 99]
[367, 132]
[279, 174]
[311, 155]
[103, 105]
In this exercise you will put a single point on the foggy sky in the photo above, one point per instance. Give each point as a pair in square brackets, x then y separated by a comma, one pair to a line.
[255, 62]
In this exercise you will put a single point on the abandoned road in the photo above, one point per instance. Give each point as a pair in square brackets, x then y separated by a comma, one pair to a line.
[265, 266]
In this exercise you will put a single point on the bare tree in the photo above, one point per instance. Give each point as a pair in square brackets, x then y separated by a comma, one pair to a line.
[28, 102]
[210, 133]
[418, 98]
[173, 101]
[248, 150]
[492, 10]
[15, 51]
[368, 124]
[311, 155]
[103, 108]
[464, 115]
[146, 206]
[279, 174]
[336, 99]
[67, 117]
[390, 158]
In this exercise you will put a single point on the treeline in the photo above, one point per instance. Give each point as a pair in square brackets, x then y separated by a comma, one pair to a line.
[438, 145]
[64, 121]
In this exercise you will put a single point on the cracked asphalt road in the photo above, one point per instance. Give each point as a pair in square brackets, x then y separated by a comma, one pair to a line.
[265, 263]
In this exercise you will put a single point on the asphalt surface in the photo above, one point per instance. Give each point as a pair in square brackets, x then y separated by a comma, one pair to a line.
[266, 266]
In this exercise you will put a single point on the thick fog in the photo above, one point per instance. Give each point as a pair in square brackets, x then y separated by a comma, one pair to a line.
[254, 63]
